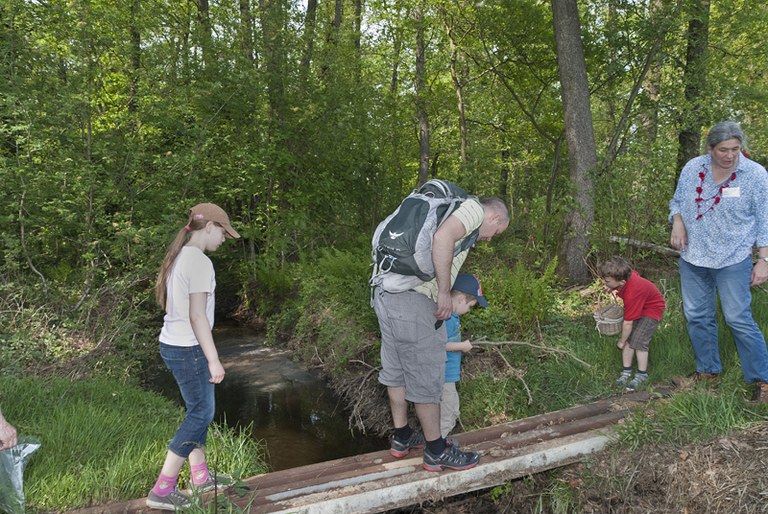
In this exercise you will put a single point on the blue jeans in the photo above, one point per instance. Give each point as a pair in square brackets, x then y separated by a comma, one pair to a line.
[700, 287]
[190, 369]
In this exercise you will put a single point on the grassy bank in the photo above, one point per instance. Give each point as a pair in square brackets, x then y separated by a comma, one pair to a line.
[549, 357]
[103, 440]
[568, 362]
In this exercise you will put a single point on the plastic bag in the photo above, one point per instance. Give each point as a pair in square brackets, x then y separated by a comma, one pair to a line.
[12, 462]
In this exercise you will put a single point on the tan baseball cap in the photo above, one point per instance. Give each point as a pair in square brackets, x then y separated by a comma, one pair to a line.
[212, 212]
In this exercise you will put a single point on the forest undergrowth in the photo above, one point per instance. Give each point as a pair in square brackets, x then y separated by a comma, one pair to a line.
[536, 350]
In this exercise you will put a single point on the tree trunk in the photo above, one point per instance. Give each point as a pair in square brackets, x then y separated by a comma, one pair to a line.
[504, 180]
[247, 49]
[421, 104]
[580, 137]
[457, 85]
[135, 34]
[310, 21]
[694, 78]
[206, 35]
[270, 12]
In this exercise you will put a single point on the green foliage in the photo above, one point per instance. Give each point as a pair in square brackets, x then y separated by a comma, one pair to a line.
[104, 440]
[520, 301]
[689, 417]
[631, 201]
[108, 332]
[487, 399]
[559, 498]
[270, 288]
[333, 309]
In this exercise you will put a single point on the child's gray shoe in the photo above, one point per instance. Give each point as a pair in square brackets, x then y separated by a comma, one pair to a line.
[624, 379]
[637, 381]
[175, 500]
[214, 481]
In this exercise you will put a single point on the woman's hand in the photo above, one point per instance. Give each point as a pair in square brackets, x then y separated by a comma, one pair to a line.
[679, 237]
[759, 273]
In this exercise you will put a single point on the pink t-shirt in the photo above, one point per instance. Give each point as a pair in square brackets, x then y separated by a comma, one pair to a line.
[641, 298]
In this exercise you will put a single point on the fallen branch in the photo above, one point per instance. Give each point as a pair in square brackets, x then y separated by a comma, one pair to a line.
[644, 244]
[531, 345]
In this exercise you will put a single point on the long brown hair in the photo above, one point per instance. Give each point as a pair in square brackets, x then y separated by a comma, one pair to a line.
[182, 237]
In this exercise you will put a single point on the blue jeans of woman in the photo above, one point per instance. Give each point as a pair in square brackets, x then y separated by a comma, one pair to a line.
[190, 369]
[700, 287]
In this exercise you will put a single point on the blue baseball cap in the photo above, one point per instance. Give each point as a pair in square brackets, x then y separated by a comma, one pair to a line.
[470, 285]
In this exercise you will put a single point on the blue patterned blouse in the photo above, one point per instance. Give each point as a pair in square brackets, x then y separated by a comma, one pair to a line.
[730, 217]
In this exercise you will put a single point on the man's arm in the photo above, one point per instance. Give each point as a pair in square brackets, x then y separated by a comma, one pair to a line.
[443, 242]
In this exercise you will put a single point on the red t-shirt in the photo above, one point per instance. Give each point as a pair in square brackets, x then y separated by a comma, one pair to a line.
[641, 298]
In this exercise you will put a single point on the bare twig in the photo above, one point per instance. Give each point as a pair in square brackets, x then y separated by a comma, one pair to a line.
[518, 374]
[531, 345]
[24, 243]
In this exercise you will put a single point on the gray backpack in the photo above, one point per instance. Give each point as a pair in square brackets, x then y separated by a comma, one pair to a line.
[402, 243]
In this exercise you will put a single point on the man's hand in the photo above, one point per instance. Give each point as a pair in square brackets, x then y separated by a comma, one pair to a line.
[444, 305]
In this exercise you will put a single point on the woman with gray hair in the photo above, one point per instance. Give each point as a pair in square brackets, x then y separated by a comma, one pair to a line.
[719, 213]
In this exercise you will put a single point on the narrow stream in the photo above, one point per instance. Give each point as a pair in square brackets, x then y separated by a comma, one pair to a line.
[291, 409]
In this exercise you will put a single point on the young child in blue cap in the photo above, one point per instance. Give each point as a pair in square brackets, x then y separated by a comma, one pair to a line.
[466, 293]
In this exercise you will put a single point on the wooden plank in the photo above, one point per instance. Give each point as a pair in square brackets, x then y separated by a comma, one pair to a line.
[424, 486]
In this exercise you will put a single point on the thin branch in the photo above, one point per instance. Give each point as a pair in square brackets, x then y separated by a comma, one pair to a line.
[518, 374]
[24, 244]
[531, 345]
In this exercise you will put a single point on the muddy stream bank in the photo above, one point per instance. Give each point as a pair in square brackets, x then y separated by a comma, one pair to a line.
[290, 408]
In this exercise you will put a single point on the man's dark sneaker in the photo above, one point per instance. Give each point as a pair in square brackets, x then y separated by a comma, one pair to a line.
[175, 500]
[696, 378]
[451, 458]
[761, 393]
[399, 449]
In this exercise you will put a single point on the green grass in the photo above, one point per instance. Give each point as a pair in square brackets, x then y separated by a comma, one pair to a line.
[103, 440]
[560, 380]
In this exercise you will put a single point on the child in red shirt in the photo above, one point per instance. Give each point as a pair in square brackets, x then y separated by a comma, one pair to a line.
[643, 307]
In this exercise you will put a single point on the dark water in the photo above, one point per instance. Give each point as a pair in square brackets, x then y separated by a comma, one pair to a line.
[291, 408]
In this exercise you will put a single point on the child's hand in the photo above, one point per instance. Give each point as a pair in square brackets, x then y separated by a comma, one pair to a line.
[621, 344]
[466, 346]
[217, 372]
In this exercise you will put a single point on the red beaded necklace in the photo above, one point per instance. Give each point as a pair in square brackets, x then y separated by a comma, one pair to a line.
[716, 197]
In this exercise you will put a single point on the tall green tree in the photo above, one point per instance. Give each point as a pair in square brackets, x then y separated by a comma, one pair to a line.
[579, 135]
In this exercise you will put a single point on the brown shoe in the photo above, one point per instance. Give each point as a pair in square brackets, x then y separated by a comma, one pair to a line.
[761, 393]
[696, 378]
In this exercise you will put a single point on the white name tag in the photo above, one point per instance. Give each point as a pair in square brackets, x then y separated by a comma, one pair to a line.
[731, 192]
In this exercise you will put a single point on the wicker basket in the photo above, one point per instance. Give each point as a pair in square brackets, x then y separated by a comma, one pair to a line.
[609, 318]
